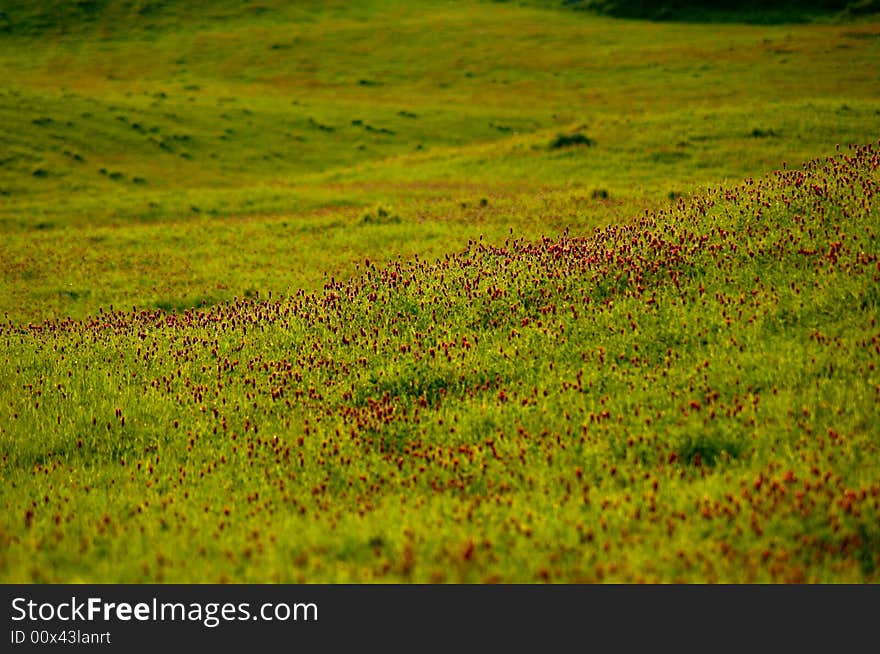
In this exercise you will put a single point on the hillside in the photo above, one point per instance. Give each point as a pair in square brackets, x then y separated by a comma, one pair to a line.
[690, 396]
[169, 154]
[477, 291]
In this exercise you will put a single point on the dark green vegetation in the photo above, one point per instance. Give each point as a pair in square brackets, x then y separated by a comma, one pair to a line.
[749, 11]
[382, 290]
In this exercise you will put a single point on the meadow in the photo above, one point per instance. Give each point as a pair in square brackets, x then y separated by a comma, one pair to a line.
[437, 292]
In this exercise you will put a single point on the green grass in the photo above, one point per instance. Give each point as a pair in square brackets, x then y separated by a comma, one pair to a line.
[671, 400]
[318, 112]
[395, 291]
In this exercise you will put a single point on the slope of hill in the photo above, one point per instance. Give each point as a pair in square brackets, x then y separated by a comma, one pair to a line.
[418, 291]
[691, 396]
[162, 154]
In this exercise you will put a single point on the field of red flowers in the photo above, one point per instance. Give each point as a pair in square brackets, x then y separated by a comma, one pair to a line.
[692, 396]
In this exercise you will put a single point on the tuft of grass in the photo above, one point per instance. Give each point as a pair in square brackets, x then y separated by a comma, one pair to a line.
[380, 216]
[571, 140]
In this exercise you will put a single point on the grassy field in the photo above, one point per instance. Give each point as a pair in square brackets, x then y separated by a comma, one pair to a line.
[446, 292]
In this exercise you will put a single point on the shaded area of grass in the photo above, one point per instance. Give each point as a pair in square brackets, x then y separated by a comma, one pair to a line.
[732, 11]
